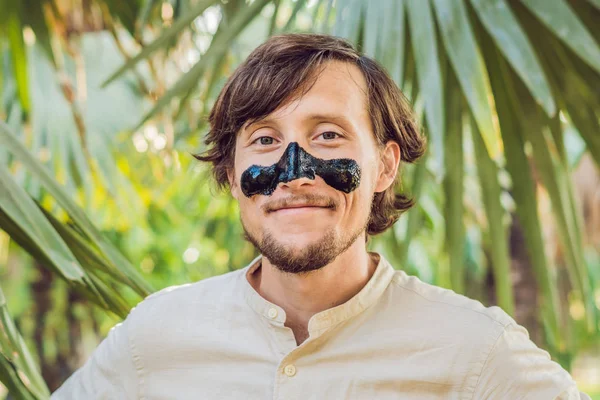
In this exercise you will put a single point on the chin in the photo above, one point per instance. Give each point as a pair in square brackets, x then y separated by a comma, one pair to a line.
[298, 229]
[301, 239]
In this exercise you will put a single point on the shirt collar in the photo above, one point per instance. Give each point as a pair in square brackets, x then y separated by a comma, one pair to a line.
[367, 296]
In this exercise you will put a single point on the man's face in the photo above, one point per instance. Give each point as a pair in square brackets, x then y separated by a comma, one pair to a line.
[304, 224]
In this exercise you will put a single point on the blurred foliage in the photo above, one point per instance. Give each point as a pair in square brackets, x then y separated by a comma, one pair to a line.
[104, 100]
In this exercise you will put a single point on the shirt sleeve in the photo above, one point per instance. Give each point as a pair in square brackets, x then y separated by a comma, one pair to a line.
[517, 369]
[109, 373]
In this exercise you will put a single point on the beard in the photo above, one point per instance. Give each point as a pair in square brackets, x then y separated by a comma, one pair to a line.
[312, 257]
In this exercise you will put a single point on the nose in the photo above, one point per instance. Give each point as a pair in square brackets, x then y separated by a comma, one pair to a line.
[290, 163]
[295, 167]
[297, 183]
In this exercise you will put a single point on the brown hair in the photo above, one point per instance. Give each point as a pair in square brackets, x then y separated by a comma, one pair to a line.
[286, 66]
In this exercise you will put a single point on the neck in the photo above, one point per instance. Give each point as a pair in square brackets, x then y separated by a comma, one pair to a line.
[304, 295]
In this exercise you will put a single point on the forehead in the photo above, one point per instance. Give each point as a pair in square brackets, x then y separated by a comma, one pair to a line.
[340, 91]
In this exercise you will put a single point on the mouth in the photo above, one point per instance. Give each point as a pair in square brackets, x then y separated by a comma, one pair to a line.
[299, 209]
[305, 203]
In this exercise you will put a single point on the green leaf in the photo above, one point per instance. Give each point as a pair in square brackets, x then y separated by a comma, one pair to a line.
[316, 13]
[424, 46]
[14, 351]
[555, 176]
[273, 23]
[125, 11]
[393, 51]
[21, 209]
[33, 166]
[524, 190]
[454, 184]
[94, 289]
[348, 19]
[86, 254]
[216, 72]
[560, 19]
[373, 25]
[297, 7]
[218, 47]
[324, 27]
[414, 214]
[500, 22]
[34, 17]
[588, 14]
[163, 40]
[554, 179]
[491, 192]
[586, 120]
[464, 56]
[595, 3]
[147, 7]
[2, 85]
[565, 164]
[19, 57]
[11, 379]
[571, 81]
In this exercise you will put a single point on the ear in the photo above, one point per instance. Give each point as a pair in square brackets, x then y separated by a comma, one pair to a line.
[390, 160]
[233, 186]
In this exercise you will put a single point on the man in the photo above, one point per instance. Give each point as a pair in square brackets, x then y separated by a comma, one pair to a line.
[308, 135]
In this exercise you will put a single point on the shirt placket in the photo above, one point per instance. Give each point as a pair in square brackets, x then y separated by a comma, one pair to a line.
[288, 375]
[288, 372]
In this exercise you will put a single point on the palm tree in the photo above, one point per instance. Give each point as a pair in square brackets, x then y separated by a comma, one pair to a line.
[502, 87]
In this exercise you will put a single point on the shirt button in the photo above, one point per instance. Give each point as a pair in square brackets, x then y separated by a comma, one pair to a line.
[272, 313]
[290, 370]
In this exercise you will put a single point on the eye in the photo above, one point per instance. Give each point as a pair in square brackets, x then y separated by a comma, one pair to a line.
[330, 135]
[264, 140]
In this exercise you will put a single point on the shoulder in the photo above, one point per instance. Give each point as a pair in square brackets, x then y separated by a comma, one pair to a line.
[217, 283]
[515, 367]
[180, 300]
[448, 319]
[446, 304]
[495, 346]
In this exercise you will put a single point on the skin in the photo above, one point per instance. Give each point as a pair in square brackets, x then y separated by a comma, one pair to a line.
[344, 130]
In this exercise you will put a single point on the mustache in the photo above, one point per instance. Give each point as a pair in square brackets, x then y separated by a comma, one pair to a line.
[305, 199]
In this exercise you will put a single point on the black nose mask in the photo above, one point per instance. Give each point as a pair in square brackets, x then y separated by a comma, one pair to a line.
[342, 173]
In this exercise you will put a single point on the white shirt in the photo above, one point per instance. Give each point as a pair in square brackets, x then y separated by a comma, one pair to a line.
[398, 338]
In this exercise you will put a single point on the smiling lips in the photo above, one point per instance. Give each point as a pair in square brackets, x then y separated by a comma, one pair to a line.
[300, 207]
[301, 202]
[299, 210]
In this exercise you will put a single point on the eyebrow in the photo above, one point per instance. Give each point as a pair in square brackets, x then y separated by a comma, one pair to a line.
[311, 117]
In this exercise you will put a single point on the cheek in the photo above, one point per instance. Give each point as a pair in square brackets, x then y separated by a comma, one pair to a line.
[358, 202]
[246, 203]
[237, 171]
[369, 172]
[363, 195]
[240, 165]
[249, 212]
